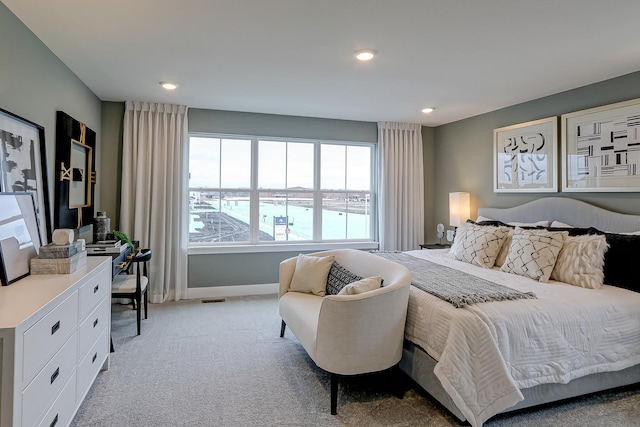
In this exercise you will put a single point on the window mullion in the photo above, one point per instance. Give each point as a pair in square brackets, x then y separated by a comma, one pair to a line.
[254, 196]
[317, 193]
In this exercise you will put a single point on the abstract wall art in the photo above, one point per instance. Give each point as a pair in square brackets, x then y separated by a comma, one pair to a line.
[525, 157]
[601, 149]
[23, 165]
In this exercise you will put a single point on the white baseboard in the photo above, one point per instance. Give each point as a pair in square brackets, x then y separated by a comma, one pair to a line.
[232, 291]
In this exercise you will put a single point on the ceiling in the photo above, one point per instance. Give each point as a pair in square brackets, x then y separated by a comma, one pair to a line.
[295, 57]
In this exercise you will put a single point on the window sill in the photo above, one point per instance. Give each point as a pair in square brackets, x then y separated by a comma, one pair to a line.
[285, 247]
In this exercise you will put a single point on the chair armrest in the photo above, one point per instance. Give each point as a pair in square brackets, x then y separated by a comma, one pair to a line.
[287, 268]
[362, 333]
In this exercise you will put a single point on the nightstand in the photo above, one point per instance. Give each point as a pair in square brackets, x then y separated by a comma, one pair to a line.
[435, 246]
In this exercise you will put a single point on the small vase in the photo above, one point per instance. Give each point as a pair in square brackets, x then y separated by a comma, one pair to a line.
[101, 226]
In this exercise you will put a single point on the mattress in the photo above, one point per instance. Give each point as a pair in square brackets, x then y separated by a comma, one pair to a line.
[488, 352]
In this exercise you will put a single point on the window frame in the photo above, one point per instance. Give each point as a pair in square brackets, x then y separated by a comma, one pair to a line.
[254, 245]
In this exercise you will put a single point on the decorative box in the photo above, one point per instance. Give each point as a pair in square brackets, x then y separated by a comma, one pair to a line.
[58, 265]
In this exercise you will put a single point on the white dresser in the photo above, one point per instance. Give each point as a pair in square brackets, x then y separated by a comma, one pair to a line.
[54, 339]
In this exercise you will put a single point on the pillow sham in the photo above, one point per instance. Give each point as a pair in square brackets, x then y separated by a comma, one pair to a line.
[558, 224]
[479, 245]
[581, 261]
[620, 261]
[533, 253]
[338, 278]
[361, 286]
[310, 275]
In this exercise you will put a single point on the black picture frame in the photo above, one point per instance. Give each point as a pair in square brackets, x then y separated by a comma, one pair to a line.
[19, 235]
[23, 164]
[75, 173]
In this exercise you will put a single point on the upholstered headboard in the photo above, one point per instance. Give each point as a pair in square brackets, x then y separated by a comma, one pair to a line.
[569, 211]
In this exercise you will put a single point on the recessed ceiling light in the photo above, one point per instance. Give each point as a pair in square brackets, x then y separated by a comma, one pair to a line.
[427, 110]
[365, 54]
[168, 85]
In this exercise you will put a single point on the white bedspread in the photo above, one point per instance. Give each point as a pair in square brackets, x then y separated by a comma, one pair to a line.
[487, 352]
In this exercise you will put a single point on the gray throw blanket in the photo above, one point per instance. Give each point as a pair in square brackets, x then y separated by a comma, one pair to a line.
[451, 285]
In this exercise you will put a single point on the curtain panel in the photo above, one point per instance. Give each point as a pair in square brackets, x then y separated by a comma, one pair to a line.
[154, 192]
[400, 186]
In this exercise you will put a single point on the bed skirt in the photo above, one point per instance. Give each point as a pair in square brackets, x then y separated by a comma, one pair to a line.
[418, 365]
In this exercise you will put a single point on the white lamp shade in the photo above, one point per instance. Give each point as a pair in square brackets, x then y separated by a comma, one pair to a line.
[459, 208]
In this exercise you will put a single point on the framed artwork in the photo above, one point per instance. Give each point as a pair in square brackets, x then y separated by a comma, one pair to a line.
[76, 176]
[601, 149]
[19, 235]
[23, 164]
[525, 159]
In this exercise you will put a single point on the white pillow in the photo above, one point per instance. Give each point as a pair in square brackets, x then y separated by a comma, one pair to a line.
[479, 244]
[364, 285]
[533, 253]
[310, 275]
[558, 224]
[483, 218]
[581, 261]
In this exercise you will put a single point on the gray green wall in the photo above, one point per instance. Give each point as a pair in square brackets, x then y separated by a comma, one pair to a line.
[34, 84]
[464, 149]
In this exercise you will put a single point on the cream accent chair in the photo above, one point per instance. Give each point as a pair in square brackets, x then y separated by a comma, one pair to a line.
[349, 334]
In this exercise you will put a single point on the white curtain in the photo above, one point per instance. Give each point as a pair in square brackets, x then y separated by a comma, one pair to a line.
[401, 186]
[154, 192]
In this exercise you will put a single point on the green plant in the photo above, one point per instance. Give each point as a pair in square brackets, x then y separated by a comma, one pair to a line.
[124, 238]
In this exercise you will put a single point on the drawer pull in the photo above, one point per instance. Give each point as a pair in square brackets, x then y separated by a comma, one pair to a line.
[55, 327]
[95, 356]
[55, 375]
[54, 422]
[96, 289]
[121, 265]
[95, 322]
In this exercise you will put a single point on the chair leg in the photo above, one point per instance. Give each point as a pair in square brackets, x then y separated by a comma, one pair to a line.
[282, 327]
[139, 312]
[334, 394]
[146, 303]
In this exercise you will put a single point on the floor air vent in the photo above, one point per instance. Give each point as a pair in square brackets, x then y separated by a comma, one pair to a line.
[208, 301]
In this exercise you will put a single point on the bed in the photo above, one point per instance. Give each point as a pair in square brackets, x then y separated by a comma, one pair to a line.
[501, 356]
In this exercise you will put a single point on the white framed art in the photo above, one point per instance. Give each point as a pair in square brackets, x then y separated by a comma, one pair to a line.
[525, 157]
[601, 149]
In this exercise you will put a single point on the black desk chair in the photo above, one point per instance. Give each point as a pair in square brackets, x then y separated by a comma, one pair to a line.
[134, 286]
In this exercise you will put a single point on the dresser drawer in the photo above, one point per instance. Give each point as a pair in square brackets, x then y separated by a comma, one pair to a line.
[61, 411]
[93, 291]
[44, 338]
[89, 366]
[93, 325]
[39, 394]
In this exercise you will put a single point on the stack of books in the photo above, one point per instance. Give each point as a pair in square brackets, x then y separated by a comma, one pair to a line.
[59, 259]
[106, 247]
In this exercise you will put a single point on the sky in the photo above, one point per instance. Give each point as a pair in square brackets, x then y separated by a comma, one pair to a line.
[281, 164]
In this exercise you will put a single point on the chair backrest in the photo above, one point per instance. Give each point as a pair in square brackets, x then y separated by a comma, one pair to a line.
[142, 257]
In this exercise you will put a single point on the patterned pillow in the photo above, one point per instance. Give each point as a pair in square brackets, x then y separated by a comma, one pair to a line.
[338, 278]
[581, 261]
[533, 253]
[478, 244]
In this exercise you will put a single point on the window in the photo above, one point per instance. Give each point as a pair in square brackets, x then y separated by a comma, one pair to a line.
[258, 190]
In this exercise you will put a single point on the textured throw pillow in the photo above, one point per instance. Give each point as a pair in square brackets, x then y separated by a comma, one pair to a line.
[504, 250]
[620, 261]
[533, 253]
[310, 275]
[338, 278]
[361, 286]
[478, 244]
[581, 261]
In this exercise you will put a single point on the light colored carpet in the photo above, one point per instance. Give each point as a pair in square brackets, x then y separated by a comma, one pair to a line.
[224, 364]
